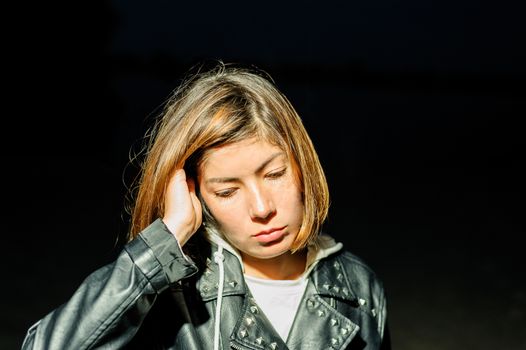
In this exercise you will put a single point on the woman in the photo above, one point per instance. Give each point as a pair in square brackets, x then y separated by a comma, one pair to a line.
[225, 248]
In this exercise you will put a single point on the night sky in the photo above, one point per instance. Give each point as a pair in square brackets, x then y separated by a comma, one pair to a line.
[415, 108]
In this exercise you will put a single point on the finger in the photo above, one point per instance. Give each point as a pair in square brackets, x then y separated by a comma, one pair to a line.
[177, 178]
[196, 204]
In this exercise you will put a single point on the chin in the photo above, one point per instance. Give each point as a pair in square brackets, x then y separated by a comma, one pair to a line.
[271, 250]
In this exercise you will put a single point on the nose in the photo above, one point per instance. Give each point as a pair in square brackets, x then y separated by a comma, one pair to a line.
[261, 205]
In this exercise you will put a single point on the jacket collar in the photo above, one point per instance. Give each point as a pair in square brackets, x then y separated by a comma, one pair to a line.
[234, 283]
[329, 279]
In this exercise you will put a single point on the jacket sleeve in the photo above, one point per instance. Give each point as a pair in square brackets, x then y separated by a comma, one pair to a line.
[383, 327]
[109, 306]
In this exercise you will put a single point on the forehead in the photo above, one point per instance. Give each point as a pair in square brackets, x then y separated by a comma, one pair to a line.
[247, 155]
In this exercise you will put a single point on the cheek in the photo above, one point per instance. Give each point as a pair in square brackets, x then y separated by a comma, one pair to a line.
[297, 207]
[289, 204]
[289, 195]
[226, 215]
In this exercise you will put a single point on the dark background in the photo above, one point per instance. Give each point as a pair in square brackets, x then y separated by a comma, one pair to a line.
[415, 107]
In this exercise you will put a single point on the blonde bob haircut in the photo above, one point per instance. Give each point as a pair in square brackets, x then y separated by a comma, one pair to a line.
[224, 105]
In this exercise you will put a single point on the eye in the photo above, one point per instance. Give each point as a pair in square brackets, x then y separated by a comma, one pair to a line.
[225, 193]
[276, 174]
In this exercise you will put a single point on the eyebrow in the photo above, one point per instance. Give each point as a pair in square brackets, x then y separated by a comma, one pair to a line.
[236, 179]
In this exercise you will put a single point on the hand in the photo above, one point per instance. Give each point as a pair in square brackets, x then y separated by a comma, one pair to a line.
[182, 209]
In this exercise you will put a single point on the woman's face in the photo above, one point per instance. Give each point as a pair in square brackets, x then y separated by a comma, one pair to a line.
[250, 189]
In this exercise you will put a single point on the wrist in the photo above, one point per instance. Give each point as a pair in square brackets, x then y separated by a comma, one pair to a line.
[181, 233]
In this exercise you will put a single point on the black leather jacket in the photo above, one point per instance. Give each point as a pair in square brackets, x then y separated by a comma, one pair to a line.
[154, 297]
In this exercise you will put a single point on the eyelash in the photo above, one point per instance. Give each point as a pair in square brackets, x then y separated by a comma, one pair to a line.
[225, 194]
[276, 175]
[272, 176]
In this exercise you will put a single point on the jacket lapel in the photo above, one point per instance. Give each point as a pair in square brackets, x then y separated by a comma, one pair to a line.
[318, 324]
[234, 284]
[254, 331]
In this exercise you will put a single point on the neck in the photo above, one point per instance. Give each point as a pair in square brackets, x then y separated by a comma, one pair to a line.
[287, 266]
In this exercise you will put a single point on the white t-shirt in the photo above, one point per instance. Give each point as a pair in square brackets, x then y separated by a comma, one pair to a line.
[278, 299]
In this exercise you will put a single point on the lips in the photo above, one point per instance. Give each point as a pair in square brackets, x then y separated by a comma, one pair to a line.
[271, 235]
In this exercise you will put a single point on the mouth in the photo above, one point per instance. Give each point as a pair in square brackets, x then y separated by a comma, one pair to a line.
[271, 235]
